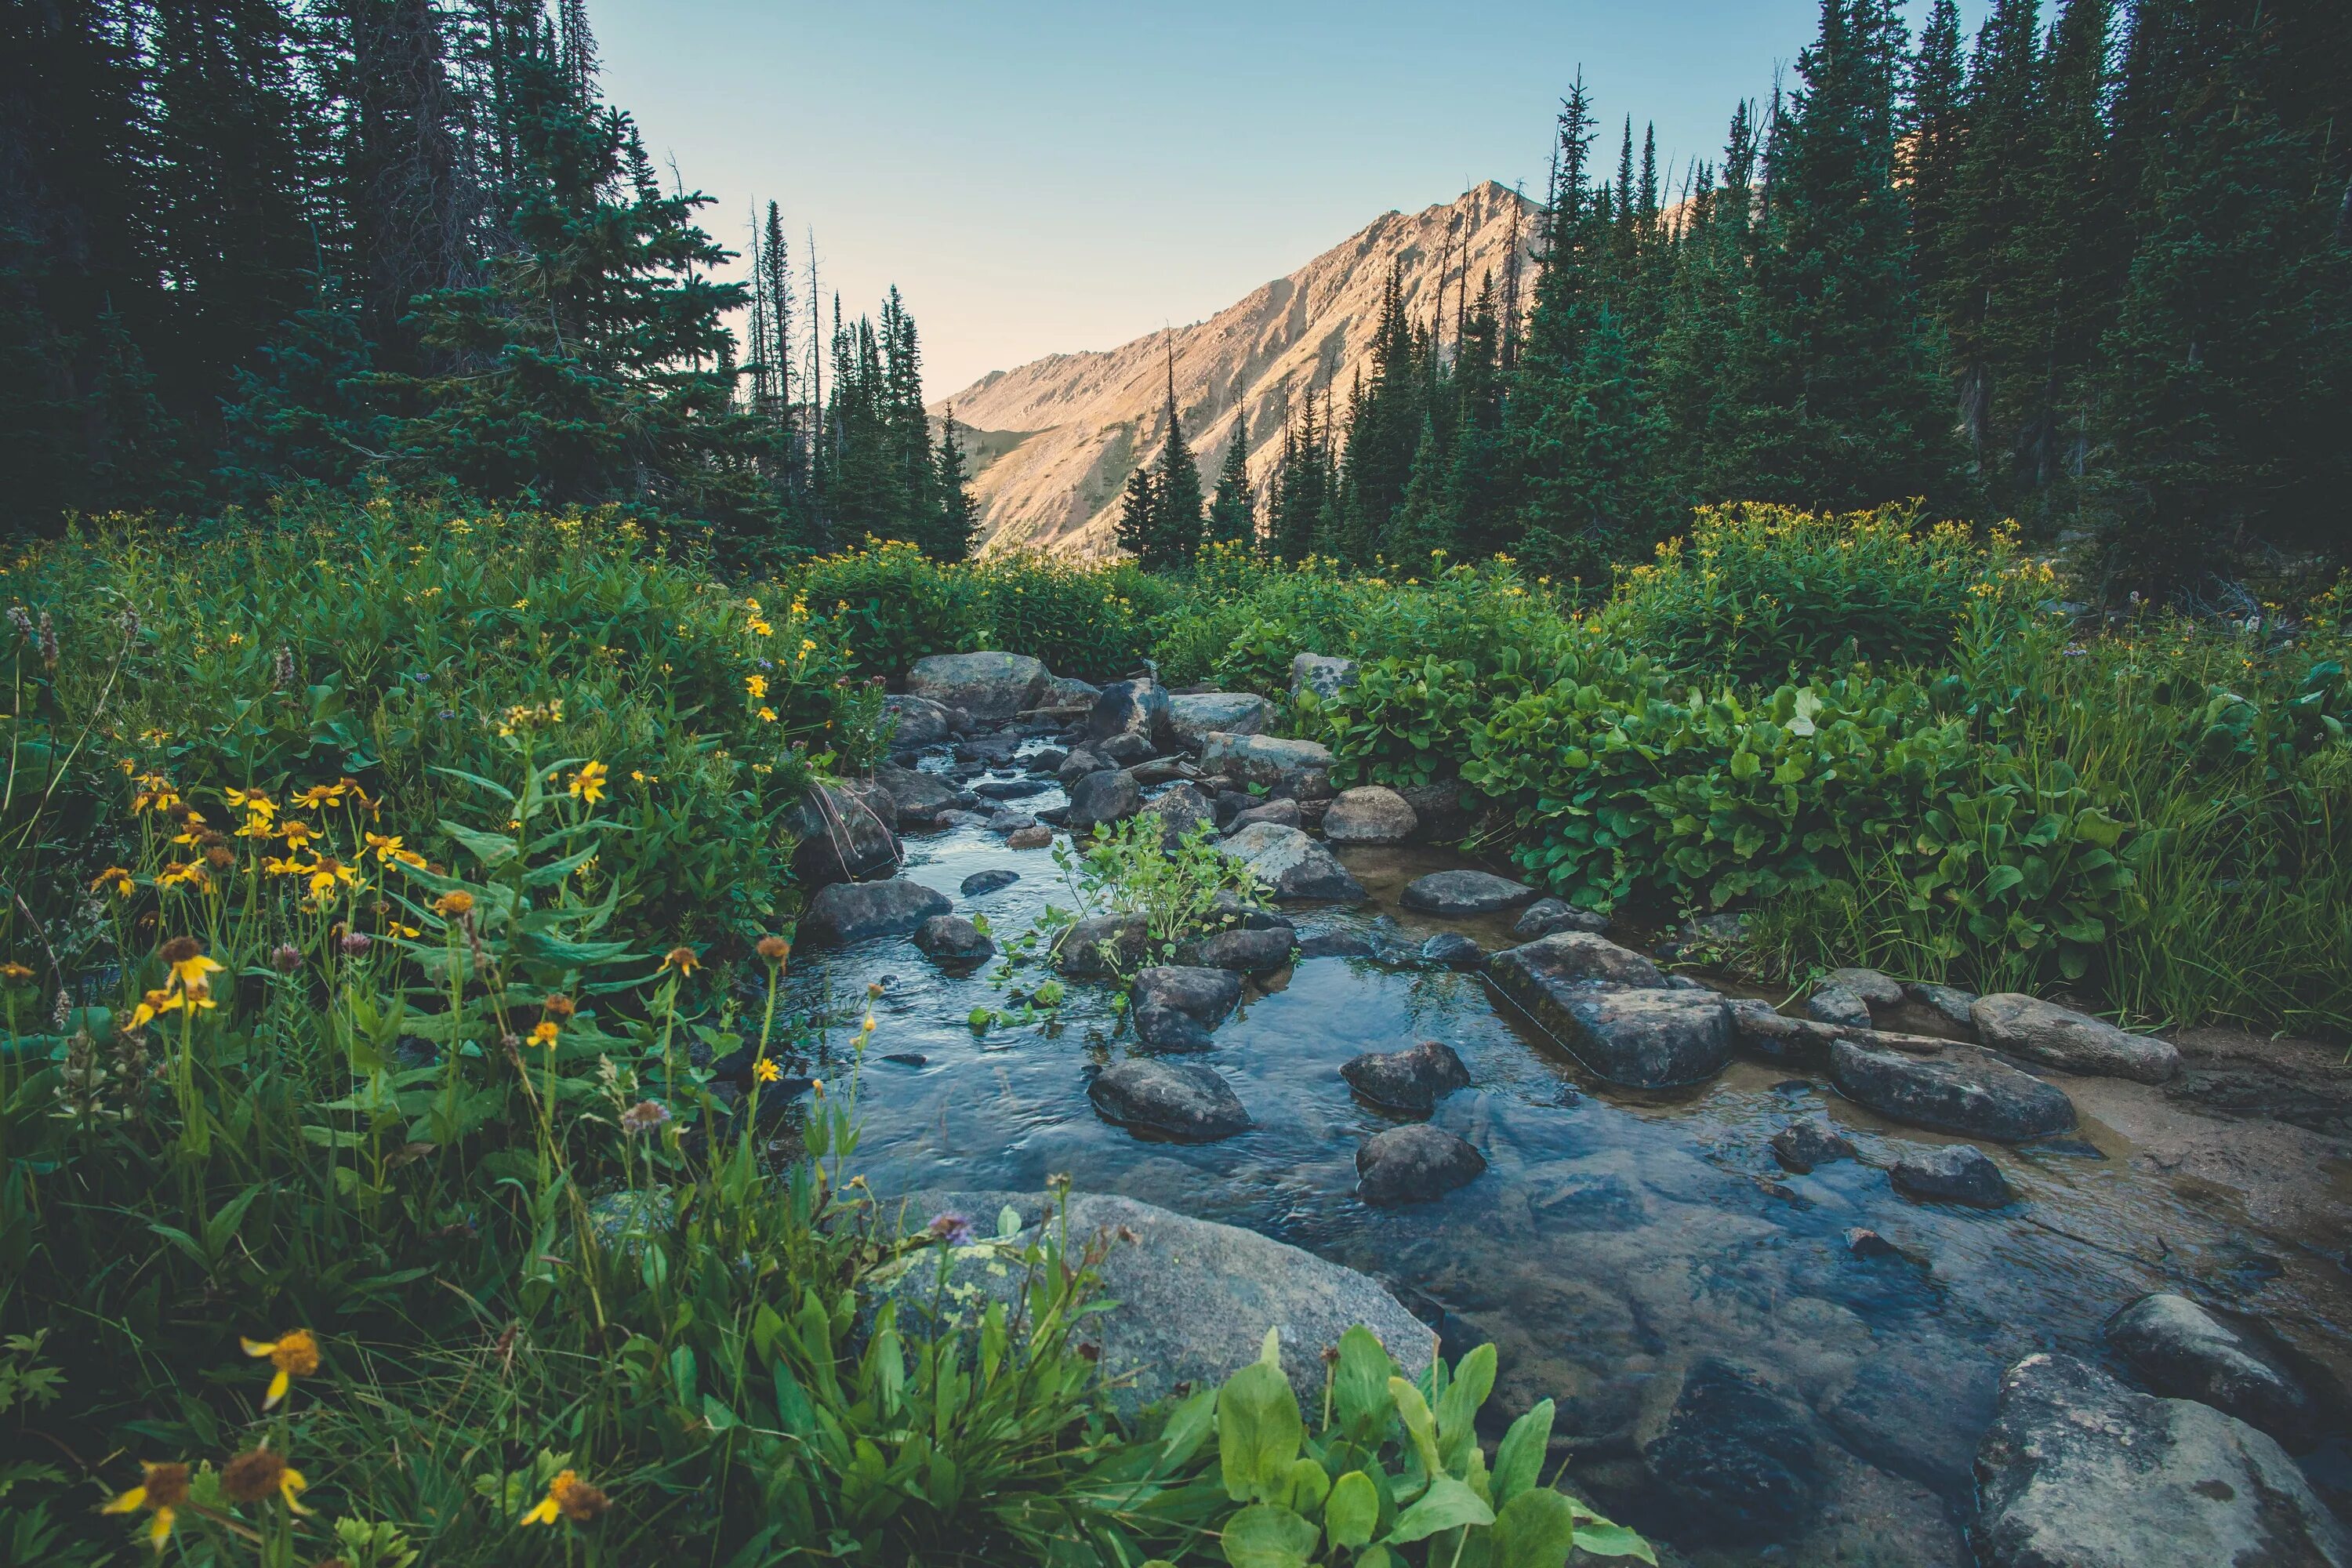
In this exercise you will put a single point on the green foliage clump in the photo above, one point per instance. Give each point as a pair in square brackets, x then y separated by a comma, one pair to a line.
[890, 604]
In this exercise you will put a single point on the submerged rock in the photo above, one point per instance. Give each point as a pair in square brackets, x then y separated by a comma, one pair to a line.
[1183, 1101]
[981, 882]
[1548, 917]
[1193, 717]
[1100, 798]
[1464, 892]
[1955, 1174]
[1293, 865]
[2182, 1351]
[1735, 1454]
[1336, 944]
[1802, 1145]
[1409, 1081]
[2078, 1471]
[952, 939]
[2070, 1041]
[1414, 1163]
[1370, 814]
[988, 686]
[1963, 1091]
[853, 911]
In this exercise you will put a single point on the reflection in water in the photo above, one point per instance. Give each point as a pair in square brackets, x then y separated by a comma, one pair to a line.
[1617, 1237]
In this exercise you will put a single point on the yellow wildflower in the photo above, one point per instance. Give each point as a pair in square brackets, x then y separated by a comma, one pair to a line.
[295, 1353]
[296, 833]
[256, 1473]
[756, 685]
[543, 1033]
[766, 715]
[454, 906]
[766, 1070]
[161, 1489]
[570, 1497]
[681, 959]
[15, 973]
[114, 877]
[588, 784]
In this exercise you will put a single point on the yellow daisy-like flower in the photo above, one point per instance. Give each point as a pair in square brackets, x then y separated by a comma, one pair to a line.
[387, 846]
[766, 1070]
[188, 962]
[295, 1353]
[543, 1033]
[161, 1489]
[296, 833]
[682, 959]
[325, 873]
[318, 796]
[454, 906]
[15, 973]
[115, 880]
[808, 646]
[570, 1496]
[756, 685]
[763, 628]
[153, 1005]
[588, 784]
[252, 802]
[766, 715]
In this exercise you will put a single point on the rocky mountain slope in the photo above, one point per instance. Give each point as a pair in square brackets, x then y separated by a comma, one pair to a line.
[1054, 441]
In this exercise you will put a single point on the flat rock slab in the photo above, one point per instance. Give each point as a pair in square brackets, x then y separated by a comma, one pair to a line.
[1464, 893]
[2183, 1352]
[1370, 814]
[1183, 1102]
[1959, 1174]
[1194, 717]
[1962, 1090]
[1297, 768]
[1410, 1082]
[987, 685]
[1573, 958]
[1416, 1163]
[2072, 1042]
[2078, 1471]
[1548, 917]
[1642, 1039]
[853, 911]
[1286, 860]
[1194, 1298]
[1736, 1454]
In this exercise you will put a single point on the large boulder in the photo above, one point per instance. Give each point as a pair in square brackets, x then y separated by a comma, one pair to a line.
[1414, 1163]
[1320, 673]
[1578, 958]
[1193, 1299]
[1370, 814]
[2070, 1041]
[1181, 809]
[2183, 1352]
[1963, 1091]
[1410, 1082]
[1735, 1455]
[1068, 694]
[1193, 716]
[1134, 711]
[1464, 893]
[1183, 1102]
[2078, 1471]
[1293, 865]
[1647, 1037]
[1955, 1174]
[1100, 798]
[852, 912]
[915, 723]
[846, 833]
[988, 686]
[1299, 769]
[918, 797]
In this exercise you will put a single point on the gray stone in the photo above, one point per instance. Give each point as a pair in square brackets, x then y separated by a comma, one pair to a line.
[1464, 893]
[1207, 995]
[2183, 1352]
[1100, 798]
[1049, 760]
[916, 722]
[1068, 694]
[1192, 716]
[1036, 838]
[1415, 1164]
[1954, 1173]
[1915, 1409]
[1439, 809]
[981, 882]
[1193, 1299]
[1760, 1029]
[1161, 769]
[2078, 1471]
[1136, 708]
[1963, 1091]
[1574, 958]
[853, 911]
[1100, 945]
[952, 939]
[988, 686]
[1546, 917]
[1009, 821]
[1230, 911]
[1876, 990]
[1736, 1456]
[1336, 944]
[1952, 1004]
[2072, 1042]
[918, 797]
[1171, 1029]
[1452, 949]
[1320, 673]
[1802, 1145]
[844, 833]
[1836, 1005]
[1250, 950]
[1370, 814]
[1648, 1039]
[1183, 1101]
[1077, 766]
[1010, 789]
[1123, 750]
[1283, 813]
[1412, 1081]
[1293, 865]
[1864, 1242]
[1300, 769]
[960, 819]
[1180, 810]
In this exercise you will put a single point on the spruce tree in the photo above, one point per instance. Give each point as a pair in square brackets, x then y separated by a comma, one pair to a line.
[957, 531]
[1233, 515]
[1174, 537]
[1138, 515]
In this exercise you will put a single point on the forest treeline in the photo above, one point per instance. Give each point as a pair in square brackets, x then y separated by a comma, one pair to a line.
[250, 244]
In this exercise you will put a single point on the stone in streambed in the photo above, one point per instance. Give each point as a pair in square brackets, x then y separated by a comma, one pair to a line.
[1548, 917]
[1370, 814]
[1283, 813]
[981, 882]
[988, 686]
[2072, 1042]
[1180, 810]
[1038, 837]
[844, 831]
[2180, 1351]
[1123, 750]
[1336, 944]
[1412, 1081]
[1194, 716]
[918, 797]
[1760, 1029]
[1077, 766]
[1009, 821]
[853, 911]
[1452, 949]
[916, 722]
[1100, 798]
[1948, 1002]
[1100, 945]
[1168, 1029]
[1464, 893]
[1836, 1005]
[1207, 995]
[1293, 865]
[1414, 1165]
[1874, 989]
[1180, 1100]
[1578, 958]
[1737, 1456]
[1802, 1145]
[1136, 708]
[953, 940]
[1957, 1173]
[1647, 1037]
[1963, 1091]
[1251, 951]
[1010, 789]
[1299, 769]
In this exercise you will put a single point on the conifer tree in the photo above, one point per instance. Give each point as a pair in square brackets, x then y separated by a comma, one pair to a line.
[1174, 537]
[1233, 514]
[1137, 514]
[958, 529]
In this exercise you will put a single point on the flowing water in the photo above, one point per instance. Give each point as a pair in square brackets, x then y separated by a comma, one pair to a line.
[1617, 1236]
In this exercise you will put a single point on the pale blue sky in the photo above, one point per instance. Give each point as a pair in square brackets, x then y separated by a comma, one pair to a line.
[1039, 176]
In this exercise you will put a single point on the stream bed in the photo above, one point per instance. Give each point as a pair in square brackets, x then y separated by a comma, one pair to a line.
[1618, 1237]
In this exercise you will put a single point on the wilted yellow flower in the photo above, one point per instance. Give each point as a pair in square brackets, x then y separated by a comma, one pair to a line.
[113, 878]
[256, 1473]
[161, 1489]
[681, 959]
[570, 1497]
[295, 1353]
[454, 906]
[15, 973]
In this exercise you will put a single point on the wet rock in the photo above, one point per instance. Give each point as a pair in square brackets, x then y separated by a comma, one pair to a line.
[2182, 1351]
[1836, 1005]
[1009, 821]
[1037, 837]
[852, 912]
[1370, 814]
[2078, 1471]
[2070, 1041]
[1802, 1145]
[1735, 1455]
[1571, 958]
[1347, 944]
[1180, 1100]
[1100, 945]
[1760, 1029]
[960, 819]
[1411, 1081]
[1875, 990]
[952, 939]
[1963, 1091]
[1250, 950]
[1206, 995]
[1047, 760]
[1101, 798]
[844, 833]
[990, 751]
[1191, 718]
[1130, 708]
[1283, 813]
[1168, 1029]
[1077, 766]
[1548, 917]
[907, 1058]
[1293, 865]
[1299, 769]
[988, 686]
[1955, 1174]
[1123, 750]
[1321, 674]
[1180, 810]
[1067, 693]
[1230, 911]
[915, 722]
[918, 797]
[1414, 1165]
[1229, 803]
[1648, 1039]
[1193, 1299]
[1452, 949]
[1010, 789]
[1160, 769]
[1949, 1003]
[1864, 1242]
[1915, 1411]
[1464, 893]
[1439, 809]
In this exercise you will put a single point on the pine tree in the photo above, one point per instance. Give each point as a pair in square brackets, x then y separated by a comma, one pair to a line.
[1176, 510]
[1137, 514]
[958, 529]
[1233, 515]
[1988, 210]
[1930, 148]
[307, 413]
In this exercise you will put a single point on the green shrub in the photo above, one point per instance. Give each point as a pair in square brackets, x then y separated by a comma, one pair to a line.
[890, 604]
[1079, 620]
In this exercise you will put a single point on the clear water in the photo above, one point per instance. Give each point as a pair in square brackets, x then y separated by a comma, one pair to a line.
[1615, 1237]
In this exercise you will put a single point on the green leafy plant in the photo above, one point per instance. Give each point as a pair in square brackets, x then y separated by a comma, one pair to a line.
[1173, 889]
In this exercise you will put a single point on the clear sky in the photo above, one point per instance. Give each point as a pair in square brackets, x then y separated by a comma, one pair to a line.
[1038, 176]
